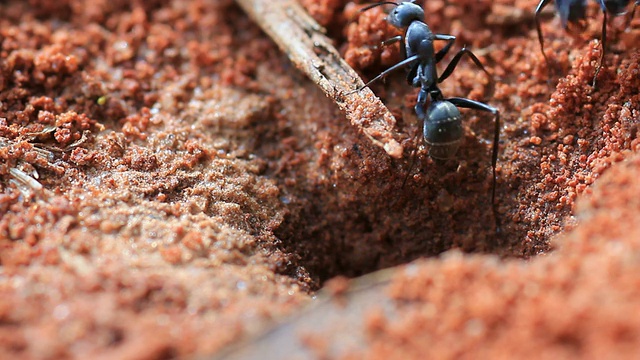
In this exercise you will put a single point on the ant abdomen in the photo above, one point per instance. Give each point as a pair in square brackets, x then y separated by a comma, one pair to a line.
[444, 151]
[443, 129]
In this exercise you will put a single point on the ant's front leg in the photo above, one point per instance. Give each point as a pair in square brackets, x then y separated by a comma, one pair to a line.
[386, 43]
[420, 104]
[391, 41]
[406, 62]
[394, 40]
[452, 65]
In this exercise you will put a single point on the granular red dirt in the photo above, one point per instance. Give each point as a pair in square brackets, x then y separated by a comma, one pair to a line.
[170, 184]
[579, 302]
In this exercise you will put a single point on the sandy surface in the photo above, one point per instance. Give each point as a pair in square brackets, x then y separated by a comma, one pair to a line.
[171, 184]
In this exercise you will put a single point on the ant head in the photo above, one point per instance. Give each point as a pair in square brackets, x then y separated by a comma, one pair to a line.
[404, 14]
[443, 129]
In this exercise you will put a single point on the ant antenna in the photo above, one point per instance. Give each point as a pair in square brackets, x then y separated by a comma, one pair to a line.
[369, 7]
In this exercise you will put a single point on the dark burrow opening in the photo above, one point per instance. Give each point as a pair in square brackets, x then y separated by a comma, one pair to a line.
[352, 209]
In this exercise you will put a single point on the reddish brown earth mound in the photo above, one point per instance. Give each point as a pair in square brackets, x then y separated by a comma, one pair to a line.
[170, 184]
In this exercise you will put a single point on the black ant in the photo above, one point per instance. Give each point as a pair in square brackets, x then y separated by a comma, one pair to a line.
[572, 11]
[442, 121]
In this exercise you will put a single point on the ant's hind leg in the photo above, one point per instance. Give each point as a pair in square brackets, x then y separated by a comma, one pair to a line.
[476, 105]
[452, 65]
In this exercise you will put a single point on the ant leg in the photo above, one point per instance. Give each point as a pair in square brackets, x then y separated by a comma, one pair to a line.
[476, 105]
[391, 41]
[394, 40]
[413, 74]
[407, 61]
[412, 78]
[539, 8]
[450, 40]
[452, 65]
[414, 154]
[387, 42]
[420, 112]
[603, 41]
[419, 108]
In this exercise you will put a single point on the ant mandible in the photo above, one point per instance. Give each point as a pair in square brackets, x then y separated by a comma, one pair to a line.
[442, 121]
[572, 11]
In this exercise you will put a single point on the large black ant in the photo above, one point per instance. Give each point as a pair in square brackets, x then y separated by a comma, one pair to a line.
[572, 11]
[442, 121]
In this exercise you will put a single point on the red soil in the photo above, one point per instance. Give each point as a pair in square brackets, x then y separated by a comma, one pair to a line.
[170, 184]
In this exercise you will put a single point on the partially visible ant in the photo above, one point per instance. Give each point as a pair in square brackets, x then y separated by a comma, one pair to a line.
[442, 121]
[572, 11]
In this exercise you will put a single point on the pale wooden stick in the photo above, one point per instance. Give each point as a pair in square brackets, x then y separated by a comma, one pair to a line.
[303, 40]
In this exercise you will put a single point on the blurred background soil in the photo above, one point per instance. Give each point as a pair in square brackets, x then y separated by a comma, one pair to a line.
[171, 184]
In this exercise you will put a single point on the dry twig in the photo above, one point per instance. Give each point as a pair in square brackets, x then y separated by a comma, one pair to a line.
[298, 35]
